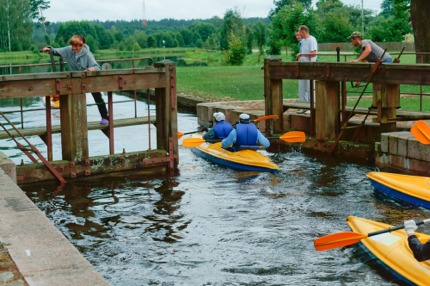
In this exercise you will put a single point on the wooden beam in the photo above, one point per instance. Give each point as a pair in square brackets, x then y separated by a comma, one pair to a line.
[387, 73]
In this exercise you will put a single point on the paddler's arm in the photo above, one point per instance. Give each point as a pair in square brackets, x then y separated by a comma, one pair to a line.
[230, 140]
[261, 140]
[421, 251]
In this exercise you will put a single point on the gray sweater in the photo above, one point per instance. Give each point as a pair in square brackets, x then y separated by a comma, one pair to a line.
[80, 61]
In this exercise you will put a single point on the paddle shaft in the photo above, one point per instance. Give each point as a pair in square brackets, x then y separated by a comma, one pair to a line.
[342, 239]
[219, 140]
[390, 229]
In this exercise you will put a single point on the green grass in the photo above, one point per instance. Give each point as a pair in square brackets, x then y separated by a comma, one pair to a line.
[226, 83]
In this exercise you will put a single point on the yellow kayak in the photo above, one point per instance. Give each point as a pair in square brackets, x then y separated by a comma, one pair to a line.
[411, 189]
[393, 251]
[243, 160]
[54, 103]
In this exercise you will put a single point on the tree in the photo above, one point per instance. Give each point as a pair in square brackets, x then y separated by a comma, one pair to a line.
[420, 11]
[15, 25]
[232, 25]
[286, 22]
[392, 24]
[205, 30]
[282, 3]
[36, 7]
[336, 27]
[260, 35]
[236, 52]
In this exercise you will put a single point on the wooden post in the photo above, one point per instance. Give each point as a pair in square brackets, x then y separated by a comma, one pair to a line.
[274, 103]
[386, 98]
[167, 113]
[326, 110]
[74, 132]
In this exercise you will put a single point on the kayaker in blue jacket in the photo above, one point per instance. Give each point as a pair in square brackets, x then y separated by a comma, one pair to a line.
[421, 251]
[221, 128]
[245, 136]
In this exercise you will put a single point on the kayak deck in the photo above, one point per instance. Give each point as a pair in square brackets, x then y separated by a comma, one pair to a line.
[408, 188]
[392, 250]
[243, 160]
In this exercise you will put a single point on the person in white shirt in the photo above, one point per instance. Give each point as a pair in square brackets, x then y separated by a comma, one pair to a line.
[308, 53]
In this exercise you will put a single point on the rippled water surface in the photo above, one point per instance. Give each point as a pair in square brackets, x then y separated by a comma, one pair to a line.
[213, 226]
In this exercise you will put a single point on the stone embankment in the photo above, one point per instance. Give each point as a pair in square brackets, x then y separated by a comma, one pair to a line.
[33, 251]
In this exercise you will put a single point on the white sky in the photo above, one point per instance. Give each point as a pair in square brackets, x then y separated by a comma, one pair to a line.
[66, 10]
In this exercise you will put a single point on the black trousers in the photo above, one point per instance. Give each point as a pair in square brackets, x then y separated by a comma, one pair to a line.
[101, 105]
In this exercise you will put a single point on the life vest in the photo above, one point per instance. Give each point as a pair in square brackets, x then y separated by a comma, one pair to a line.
[222, 129]
[247, 134]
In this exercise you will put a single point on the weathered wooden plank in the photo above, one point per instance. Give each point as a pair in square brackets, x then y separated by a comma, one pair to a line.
[148, 162]
[46, 84]
[387, 73]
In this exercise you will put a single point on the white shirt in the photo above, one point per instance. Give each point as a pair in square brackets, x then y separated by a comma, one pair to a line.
[307, 46]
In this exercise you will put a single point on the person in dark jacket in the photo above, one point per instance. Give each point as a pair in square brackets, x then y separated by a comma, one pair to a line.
[79, 58]
[221, 128]
[421, 251]
[245, 136]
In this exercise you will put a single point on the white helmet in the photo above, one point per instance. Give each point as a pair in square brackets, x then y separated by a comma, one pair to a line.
[244, 118]
[219, 116]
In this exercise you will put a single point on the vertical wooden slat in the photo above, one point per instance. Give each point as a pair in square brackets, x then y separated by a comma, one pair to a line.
[74, 133]
[273, 98]
[327, 110]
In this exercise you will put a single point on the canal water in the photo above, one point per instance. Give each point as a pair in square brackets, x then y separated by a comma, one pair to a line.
[213, 226]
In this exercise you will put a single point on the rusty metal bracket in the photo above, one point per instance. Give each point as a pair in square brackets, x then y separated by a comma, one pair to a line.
[57, 86]
[32, 148]
[121, 83]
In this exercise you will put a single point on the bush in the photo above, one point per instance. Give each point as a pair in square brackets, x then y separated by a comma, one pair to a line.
[237, 51]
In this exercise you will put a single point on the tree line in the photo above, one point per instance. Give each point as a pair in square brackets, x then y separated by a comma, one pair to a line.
[25, 28]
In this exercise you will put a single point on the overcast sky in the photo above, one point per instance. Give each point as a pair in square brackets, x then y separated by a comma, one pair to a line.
[66, 10]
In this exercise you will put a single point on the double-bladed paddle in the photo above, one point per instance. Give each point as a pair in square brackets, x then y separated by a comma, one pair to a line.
[267, 117]
[291, 137]
[346, 238]
[421, 132]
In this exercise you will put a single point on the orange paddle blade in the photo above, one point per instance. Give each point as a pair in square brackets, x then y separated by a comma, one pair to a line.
[180, 134]
[421, 132]
[336, 240]
[267, 117]
[294, 136]
[193, 142]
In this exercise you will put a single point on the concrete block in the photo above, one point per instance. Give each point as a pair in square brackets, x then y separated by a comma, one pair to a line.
[419, 167]
[8, 166]
[392, 143]
[418, 151]
[385, 142]
[377, 147]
